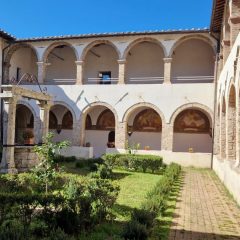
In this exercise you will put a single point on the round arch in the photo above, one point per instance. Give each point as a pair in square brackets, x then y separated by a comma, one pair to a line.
[88, 108]
[56, 44]
[17, 46]
[30, 107]
[144, 39]
[68, 107]
[94, 43]
[186, 38]
[139, 105]
[197, 106]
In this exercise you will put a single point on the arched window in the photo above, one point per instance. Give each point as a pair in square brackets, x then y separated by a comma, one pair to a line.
[147, 120]
[67, 122]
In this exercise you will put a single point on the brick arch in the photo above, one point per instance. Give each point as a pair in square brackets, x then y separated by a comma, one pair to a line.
[56, 44]
[190, 37]
[94, 43]
[68, 107]
[143, 39]
[17, 46]
[129, 111]
[206, 110]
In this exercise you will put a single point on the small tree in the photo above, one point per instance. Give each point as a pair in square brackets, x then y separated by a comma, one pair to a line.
[46, 170]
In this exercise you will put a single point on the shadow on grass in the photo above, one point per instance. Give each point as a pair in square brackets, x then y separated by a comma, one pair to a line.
[120, 175]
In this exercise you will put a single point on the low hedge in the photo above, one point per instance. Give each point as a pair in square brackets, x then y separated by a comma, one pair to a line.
[135, 162]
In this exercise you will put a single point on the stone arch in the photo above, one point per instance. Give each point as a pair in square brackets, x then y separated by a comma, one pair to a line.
[68, 107]
[98, 136]
[17, 46]
[192, 131]
[144, 125]
[189, 37]
[56, 44]
[231, 123]
[88, 108]
[25, 122]
[222, 127]
[96, 42]
[143, 39]
[197, 106]
[143, 104]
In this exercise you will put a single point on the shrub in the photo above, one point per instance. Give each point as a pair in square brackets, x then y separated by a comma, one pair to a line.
[134, 161]
[134, 230]
[143, 217]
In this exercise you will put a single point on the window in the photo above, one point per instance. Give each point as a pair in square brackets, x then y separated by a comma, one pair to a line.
[105, 77]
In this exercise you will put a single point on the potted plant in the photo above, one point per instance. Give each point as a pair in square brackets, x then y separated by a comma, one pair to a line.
[28, 137]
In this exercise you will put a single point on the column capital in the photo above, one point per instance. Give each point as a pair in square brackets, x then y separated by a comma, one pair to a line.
[81, 62]
[41, 64]
[122, 61]
[44, 104]
[167, 60]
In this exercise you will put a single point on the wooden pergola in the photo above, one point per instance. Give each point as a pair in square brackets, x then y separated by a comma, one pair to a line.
[11, 95]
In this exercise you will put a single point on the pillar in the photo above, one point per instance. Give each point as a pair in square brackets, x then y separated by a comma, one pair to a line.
[237, 132]
[77, 133]
[167, 69]
[6, 68]
[122, 71]
[41, 72]
[44, 119]
[9, 120]
[79, 75]
[222, 135]
[121, 135]
[167, 137]
[226, 49]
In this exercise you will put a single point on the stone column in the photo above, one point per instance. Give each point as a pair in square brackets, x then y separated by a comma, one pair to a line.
[120, 135]
[44, 119]
[9, 120]
[167, 70]
[226, 49]
[6, 78]
[77, 133]
[121, 71]
[235, 27]
[223, 134]
[167, 137]
[41, 72]
[79, 76]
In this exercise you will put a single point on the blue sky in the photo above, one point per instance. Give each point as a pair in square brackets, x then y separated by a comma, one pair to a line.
[31, 18]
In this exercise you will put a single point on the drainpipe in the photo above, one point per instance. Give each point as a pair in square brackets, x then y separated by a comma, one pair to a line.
[215, 96]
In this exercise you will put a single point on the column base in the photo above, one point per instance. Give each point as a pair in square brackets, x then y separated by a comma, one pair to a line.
[9, 170]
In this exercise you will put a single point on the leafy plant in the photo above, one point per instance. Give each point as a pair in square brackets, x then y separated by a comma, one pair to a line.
[46, 170]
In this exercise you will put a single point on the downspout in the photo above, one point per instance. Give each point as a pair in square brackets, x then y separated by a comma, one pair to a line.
[215, 97]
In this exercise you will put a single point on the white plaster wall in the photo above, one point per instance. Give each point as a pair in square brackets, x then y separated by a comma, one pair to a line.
[65, 134]
[98, 140]
[61, 69]
[78, 152]
[145, 60]
[229, 175]
[166, 97]
[151, 139]
[26, 60]
[199, 142]
[193, 58]
[107, 62]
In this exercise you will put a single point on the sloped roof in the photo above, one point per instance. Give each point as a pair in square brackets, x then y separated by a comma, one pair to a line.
[94, 35]
[217, 15]
[6, 35]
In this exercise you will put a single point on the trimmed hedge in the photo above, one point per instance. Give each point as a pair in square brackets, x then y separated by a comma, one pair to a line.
[135, 162]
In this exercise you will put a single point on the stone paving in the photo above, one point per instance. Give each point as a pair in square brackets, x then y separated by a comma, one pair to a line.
[204, 209]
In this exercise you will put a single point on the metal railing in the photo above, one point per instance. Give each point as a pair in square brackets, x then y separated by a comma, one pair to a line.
[193, 79]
